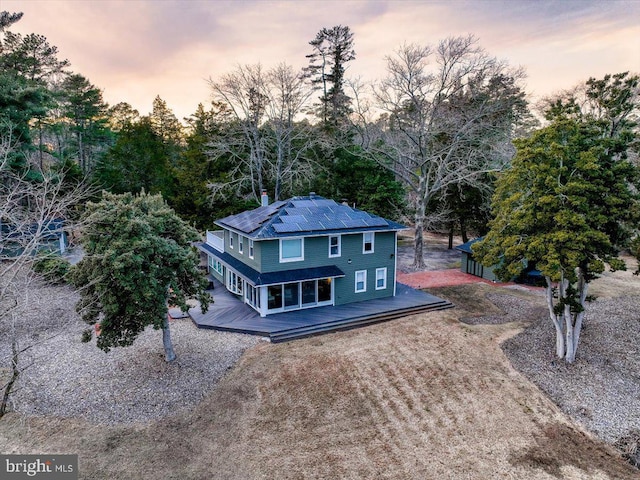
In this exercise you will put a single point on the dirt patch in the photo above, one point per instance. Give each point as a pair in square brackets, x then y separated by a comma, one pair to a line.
[437, 255]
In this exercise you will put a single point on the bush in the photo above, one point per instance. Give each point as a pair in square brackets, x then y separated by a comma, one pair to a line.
[53, 268]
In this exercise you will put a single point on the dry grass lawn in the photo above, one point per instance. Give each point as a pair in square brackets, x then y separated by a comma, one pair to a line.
[425, 397]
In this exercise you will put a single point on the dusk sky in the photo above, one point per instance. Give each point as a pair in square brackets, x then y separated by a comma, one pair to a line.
[135, 50]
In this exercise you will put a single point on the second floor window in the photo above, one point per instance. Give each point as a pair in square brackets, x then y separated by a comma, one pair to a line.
[334, 246]
[367, 242]
[250, 248]
[291, 250]
[230, 240]
[240, 244]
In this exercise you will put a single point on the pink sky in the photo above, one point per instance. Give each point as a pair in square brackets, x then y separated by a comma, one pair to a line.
[136, 49]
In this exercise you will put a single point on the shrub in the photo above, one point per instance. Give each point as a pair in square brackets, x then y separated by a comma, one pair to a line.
[53, 268]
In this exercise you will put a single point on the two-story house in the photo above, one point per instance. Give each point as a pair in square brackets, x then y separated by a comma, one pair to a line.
[302, 253]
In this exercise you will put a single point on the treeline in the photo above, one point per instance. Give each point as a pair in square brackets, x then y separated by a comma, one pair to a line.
[260, 134]
[422, 145]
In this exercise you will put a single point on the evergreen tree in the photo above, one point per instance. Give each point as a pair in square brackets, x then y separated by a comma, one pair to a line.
[84, 107]
[138, 260]
[567, 206]
[332, 49]
[138, 161]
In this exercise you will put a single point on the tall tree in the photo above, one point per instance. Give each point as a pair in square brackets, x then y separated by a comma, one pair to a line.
[137, 161]
[165, 123]
[291, 141]
[84, 107]
[138, 260]
[448, 116]
[121, 115]
[270, 148]
[568, 204]
[332, 49]
[243, 92]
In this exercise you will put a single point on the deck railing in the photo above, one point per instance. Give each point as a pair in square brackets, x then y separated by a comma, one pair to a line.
[216, 240]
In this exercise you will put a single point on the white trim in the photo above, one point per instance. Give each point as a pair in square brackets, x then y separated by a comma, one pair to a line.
[373, 242]
[395, 263]
[240, 244]
[339, 237]
[364, 281]
[300, 306]
[384, 278]
[296, 259]
[251, 249]
[231, 240]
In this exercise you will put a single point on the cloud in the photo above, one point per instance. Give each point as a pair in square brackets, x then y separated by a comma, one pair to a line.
[137, 49]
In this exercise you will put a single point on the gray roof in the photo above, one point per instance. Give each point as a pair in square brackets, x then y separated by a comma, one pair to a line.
[466, 247]
[313, 215]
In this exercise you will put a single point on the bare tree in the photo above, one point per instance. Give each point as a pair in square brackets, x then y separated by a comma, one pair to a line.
[288, 93]
[270, 144]
[30, 213]
[243, 92]
[448, 114]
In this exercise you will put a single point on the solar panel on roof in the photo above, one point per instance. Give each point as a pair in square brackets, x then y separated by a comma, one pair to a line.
[303, 203]
[376, 222]
[332, 224]
[286, 228]
[354, 223]
[292, 218]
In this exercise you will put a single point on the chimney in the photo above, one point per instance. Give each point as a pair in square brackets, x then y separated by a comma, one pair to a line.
[265, 199]
[312, 195]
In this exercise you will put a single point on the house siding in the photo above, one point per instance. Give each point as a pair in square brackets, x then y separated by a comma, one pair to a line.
[471, 266]
[243, 257]
[382, 257]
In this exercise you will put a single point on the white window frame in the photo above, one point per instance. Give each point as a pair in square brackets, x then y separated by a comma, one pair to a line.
[240, 244]
[231, 240]
[364, 281]
[292, 259]
[382, 270]
[364, 242]
[339, 237]
[251, 252]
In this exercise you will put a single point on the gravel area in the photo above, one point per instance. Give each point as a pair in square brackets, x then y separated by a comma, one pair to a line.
[601, 390]
[68, 378]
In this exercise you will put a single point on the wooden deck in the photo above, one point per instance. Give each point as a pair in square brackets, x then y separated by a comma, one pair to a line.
[229, 314]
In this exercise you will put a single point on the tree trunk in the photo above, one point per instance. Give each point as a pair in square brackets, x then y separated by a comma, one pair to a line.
[576, 321]
[557, 322]
[450, 245]
[14, 377]
[570, 353]
[463, 231]
[421, 208]
[170, 355]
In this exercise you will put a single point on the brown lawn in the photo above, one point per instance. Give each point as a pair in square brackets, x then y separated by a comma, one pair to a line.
[425, 397]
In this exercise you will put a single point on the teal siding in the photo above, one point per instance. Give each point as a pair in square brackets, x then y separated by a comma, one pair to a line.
[473, 267]
[383, 256]
[235, 251]
[316, 254]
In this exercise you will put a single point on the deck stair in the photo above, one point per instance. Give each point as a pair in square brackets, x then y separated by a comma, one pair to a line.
[338, 325]
[229, 314]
